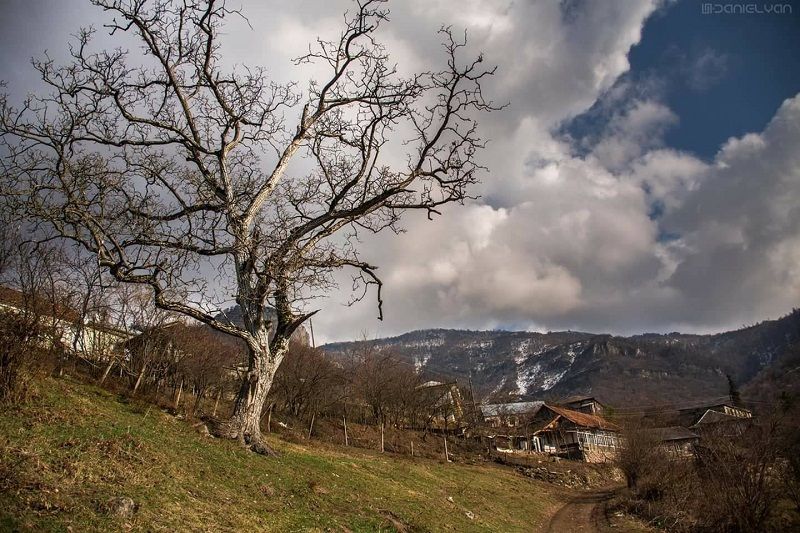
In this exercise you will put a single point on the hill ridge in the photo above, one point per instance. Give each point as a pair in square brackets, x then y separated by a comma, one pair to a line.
[647, 366]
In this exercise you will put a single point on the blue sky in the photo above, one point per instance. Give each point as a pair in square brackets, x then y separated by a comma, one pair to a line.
[722, 75]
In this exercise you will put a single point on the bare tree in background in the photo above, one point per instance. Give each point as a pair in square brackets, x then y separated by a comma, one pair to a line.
[155, 347]
[32, 330]
[167, 162]
[207, 359]
[307, 382]
[89, 294]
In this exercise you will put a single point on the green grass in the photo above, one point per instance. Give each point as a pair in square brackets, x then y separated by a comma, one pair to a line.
[64, 455]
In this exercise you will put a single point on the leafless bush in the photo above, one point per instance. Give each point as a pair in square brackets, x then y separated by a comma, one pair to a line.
[384, 383]
[640, 457]
[732, 483]
[738, 476]
[16, 330]
[307, 382]
[207, 361]
[32, 316]
[791, 466]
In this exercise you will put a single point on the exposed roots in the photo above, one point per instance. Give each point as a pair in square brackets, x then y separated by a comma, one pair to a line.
[229, 430]
[261, 448]
[222, 429]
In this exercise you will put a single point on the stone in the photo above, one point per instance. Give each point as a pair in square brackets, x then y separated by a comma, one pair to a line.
[122, 506]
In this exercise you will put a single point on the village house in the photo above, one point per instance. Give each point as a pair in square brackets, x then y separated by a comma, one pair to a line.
[449, 410]
[505, 424]
[542, 427]
[63, 327]
[584, 404]
[699, 417]
[720, 412]
[509, 415]
[574, 434]
[677, 441]
[679, 429]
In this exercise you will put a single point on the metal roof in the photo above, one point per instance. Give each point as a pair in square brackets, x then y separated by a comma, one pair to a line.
[672, 433]
[583, 419]
[516, 408]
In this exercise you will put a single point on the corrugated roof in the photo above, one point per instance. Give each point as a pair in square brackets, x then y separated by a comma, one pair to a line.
[583, 419]
[715, 417]
[516, 408]
[575, 399]
[672, 433]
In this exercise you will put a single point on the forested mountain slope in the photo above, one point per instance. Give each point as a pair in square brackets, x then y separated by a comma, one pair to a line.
[648, 368]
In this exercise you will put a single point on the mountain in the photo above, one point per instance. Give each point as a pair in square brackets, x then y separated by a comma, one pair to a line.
[650, 368]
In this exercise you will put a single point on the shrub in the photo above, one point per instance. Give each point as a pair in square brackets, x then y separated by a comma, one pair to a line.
[16, 355]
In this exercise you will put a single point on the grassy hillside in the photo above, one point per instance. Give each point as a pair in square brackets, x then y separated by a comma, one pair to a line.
[72, 449]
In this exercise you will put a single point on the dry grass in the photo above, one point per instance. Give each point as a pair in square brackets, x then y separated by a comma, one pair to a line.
[74, 447]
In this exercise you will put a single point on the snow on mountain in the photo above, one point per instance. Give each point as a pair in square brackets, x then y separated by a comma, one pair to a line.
[507, 365]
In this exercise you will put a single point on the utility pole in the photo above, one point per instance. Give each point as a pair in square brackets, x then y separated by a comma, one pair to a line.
[472, 395]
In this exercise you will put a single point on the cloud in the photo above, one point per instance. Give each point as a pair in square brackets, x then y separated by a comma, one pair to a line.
[739, 231]
[633, 131]
[577, 241]
[610, 231]
[705, 70]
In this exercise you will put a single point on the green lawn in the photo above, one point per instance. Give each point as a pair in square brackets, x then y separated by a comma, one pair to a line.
[64, 455]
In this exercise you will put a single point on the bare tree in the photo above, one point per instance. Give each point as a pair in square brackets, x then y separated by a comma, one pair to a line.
[738, 468]
[207, 359]
[307, 382]
[154, 350]
[35, 320]
[123, 306]
[640, 454]
[167, 165]
[88, 292]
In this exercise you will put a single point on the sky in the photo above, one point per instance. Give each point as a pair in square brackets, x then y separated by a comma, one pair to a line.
[645, 175]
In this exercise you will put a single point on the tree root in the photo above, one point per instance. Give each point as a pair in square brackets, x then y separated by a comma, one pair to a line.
[261, 448]
[226, 430]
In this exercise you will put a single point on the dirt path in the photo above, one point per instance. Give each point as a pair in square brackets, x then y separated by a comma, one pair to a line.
[583, 513]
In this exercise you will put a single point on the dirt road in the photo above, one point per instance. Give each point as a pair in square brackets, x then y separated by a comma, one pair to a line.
[583, 513]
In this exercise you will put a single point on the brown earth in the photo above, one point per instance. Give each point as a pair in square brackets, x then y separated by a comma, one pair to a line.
[592, 512]
[583, 512]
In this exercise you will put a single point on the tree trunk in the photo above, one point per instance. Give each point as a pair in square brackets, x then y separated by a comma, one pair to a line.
[178, 396]
[269, 416]
[311, 427]
[244, 423]
[108, 371]
[216, 402]
[139, 379]
[197, 399]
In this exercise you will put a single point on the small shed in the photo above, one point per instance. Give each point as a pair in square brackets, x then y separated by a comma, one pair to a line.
[676, 440]
[584, 404]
